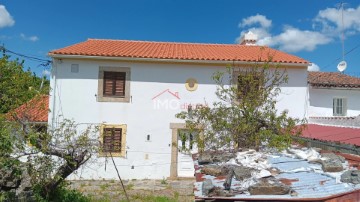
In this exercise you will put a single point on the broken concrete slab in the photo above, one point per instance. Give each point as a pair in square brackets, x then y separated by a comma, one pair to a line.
[241, 172]
[205, 158]
[269, 187]
[222, 156]
[213, 170]
[332, 165]
[333, 156]
[351, 176]
[217, 191]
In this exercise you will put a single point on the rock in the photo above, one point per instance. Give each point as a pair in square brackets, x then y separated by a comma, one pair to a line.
[222, 156]
[226, 168]
[217, 191]
[9, 180]
[334, 157]
[269, 187]
[242, 172]
[213, 157]
[213, 170]
[331, 165]
[351, 176]
[293, 193]
[207, 186]
[205, 158]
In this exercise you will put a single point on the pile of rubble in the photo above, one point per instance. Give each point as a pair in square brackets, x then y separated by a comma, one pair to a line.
[250, 173]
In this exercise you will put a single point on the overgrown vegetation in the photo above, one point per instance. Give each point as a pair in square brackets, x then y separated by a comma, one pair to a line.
[16, 85]
[33, 161]
[245, 115]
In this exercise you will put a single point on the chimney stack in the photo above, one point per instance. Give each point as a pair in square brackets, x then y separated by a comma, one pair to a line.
[249, 39]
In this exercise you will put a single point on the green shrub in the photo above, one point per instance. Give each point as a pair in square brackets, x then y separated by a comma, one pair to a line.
[61, 194]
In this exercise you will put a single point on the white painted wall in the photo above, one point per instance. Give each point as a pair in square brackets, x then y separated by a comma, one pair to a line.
[321, 101]
[76, 99]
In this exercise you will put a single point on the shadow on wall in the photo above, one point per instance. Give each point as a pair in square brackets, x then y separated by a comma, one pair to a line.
[162, 73]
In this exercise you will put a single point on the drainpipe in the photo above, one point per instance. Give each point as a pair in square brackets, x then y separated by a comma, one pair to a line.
[54, 72]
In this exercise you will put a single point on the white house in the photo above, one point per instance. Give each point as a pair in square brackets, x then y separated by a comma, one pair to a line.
[133, 89]
[333, 94]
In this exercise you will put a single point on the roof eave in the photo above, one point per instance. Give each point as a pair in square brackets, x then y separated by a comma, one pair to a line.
[65, 56]
[334, 87]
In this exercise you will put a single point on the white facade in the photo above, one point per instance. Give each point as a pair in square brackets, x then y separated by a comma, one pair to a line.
[321, 101]
[151, 109]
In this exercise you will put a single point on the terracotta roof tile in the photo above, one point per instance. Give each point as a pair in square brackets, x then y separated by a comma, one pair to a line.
[175, 50]
[36, 110]
[333, 79]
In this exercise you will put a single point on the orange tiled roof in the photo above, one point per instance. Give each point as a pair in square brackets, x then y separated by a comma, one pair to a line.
[36, 110]
[333, 79]
[178, 51]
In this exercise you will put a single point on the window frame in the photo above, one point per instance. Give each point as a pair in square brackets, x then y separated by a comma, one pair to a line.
[343, 106]
[122, 152]
[100, 95]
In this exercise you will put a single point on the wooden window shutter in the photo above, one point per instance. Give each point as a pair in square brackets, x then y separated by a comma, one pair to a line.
[117, 139]
[112, 139]
[114, 84]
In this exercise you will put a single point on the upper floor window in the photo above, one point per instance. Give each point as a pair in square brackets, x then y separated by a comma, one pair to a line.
[339, 107]
[114, 84]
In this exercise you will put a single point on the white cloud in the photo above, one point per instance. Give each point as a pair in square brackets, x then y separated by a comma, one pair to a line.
[261, 29]
[313, 68]
[294, 40]
[6, 20]
[327, 25]
[46, 72]
[256, 19]
[29, 38]
[329, 20]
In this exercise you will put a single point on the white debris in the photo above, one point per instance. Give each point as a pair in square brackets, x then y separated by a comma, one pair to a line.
[308, 154]
[253, 159]
[231, 162]
[262, 173]
[245, 184]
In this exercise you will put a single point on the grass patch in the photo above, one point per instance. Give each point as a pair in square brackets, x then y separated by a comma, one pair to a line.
[151, 198]
[104, 186]
[129, 186]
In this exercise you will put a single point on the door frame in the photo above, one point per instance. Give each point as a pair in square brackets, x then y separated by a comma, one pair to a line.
[174, 149]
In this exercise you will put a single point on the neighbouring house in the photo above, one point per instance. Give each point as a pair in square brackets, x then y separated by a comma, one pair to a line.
[333, 94]
[133, 89]
[35, 112]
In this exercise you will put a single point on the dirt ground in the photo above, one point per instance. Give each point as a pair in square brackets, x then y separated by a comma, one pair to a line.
[137, 190]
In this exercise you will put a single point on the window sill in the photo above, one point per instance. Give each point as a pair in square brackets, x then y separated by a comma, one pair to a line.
[113, 99]
[113, 154]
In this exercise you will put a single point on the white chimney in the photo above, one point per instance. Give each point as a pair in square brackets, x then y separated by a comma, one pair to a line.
[249, 39]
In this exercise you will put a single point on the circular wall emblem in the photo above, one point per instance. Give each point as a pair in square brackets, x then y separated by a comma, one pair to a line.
[191, 84]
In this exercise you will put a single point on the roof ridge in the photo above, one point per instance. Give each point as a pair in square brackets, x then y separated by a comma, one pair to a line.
[176, 42]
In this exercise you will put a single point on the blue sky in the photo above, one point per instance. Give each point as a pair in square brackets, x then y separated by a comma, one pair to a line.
[307, 28]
